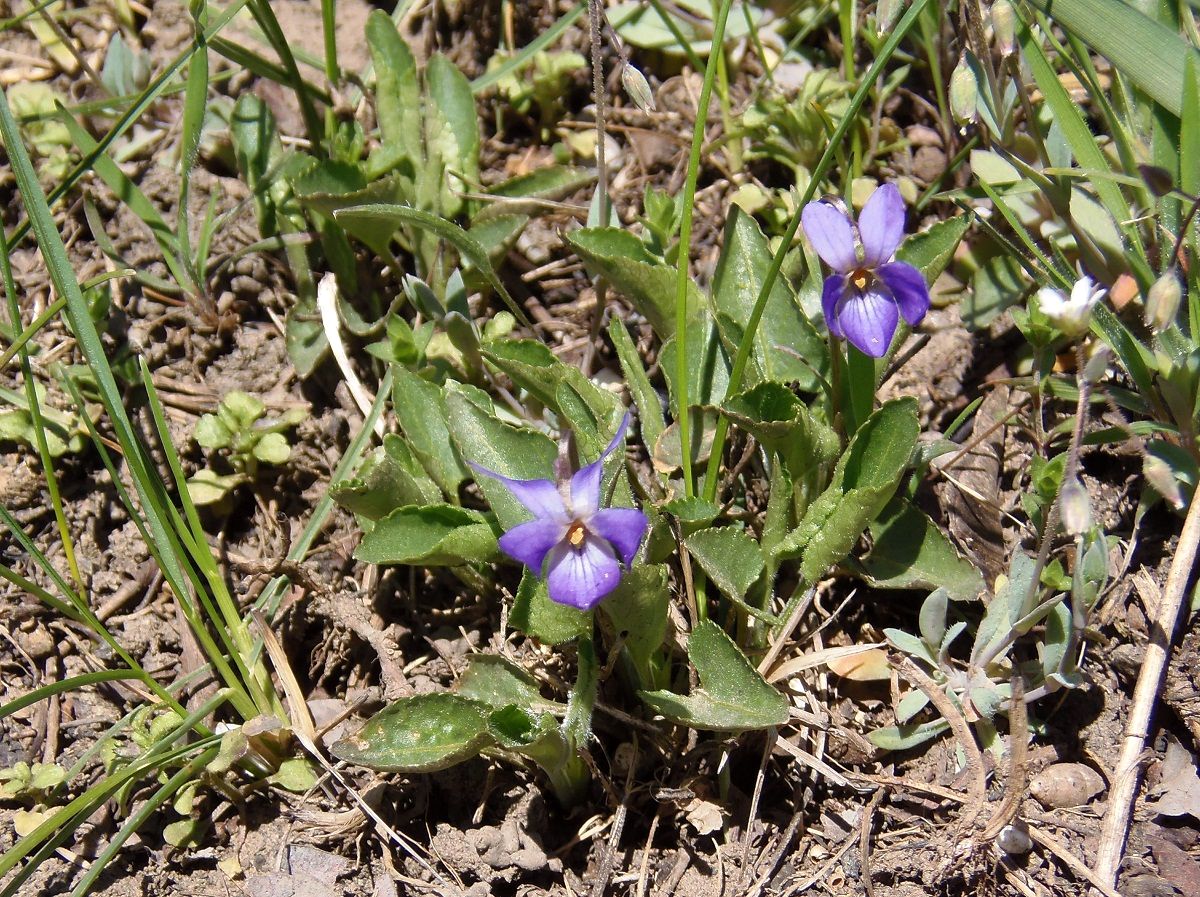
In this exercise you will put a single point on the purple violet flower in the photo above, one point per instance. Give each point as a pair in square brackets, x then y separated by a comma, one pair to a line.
[572, 540]
[865, 296]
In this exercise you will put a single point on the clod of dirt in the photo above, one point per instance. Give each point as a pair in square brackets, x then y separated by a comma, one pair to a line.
[1066, 785]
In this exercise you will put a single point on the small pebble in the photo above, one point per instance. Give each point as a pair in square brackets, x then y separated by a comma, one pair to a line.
[1066, 785]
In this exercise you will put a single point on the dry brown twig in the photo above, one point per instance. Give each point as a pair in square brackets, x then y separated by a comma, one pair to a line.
[958, 725]
[1127, 774]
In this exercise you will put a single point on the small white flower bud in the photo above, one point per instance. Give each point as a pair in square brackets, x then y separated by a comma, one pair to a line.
[1075, 506]
[1004, 27]
[637, 87]
[964, 92]
[1162, 301]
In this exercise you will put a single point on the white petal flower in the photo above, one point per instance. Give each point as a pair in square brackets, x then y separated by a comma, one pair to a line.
[1071, 314]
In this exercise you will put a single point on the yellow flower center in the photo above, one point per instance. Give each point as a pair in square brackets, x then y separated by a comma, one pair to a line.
[576, 534]
[860, 278]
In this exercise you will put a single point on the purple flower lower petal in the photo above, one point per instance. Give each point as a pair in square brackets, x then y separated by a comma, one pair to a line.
[909, 288]
[869, 321]
[585, 485]
[881, 225]
[622, 527]
[530, 542]
[835, 285]
[540, 497]
[581, 577]
[829, 232]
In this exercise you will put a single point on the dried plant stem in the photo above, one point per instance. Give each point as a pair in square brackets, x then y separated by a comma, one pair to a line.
[596, 19]
[1127, 775]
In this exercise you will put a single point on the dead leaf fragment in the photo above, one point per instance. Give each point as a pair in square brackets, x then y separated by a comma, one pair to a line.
[1180, 785]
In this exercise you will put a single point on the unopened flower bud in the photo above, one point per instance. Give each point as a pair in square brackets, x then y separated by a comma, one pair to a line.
[1075, 507]
[1097, 363]
[1004, 27]
[637, 87]
[964, 92]
[1162, 301]
[1162, 480]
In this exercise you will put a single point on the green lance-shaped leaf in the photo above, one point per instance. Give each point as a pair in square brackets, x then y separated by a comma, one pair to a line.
[636, 611]
[514, 452]
[620, 257]
[424, 733]
[741, 270]
[901, 738]
[390, 478]
[732, 696]
[864, 480]
[420, 407]
[451, 94]
[397, 97]
[910, 552]
[433, 535]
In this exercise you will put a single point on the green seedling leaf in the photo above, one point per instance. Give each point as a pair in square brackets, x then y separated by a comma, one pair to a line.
[420, 407]
[636, 611]
[911, 645]
[390, 478]
[296, 775]
[620, 257]
[741, 270]
[905, 737]
[424, 733]
[207, 487]
[910, 705]
[732, 696]
[212, 433]
[433, 535]
[534, 614]
[183, 832]
[730, 558]
[498, 682]
[909, 551]
[272, 448]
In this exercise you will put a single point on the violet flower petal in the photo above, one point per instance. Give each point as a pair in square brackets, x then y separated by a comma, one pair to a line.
[869, 321]
[540, 497]
[835, 285]
[582, 577]
[530, 542]
[585, 484]
[622, 527]
[881, 225]
[828, 230]
[909, 289]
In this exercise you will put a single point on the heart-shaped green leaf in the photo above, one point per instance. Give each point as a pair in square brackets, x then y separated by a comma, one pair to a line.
[432, 535]
[732, 696]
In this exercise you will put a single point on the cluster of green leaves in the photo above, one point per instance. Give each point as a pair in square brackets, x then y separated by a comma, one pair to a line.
[238, 428]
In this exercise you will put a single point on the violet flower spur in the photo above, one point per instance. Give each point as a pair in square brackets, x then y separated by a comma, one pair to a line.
[868, 291]
[572, 540]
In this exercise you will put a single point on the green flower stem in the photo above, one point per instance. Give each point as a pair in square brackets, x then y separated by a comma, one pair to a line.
[685, 242]
[742, 358]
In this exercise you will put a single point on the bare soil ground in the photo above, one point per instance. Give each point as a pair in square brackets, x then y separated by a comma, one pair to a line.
[655, 823]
